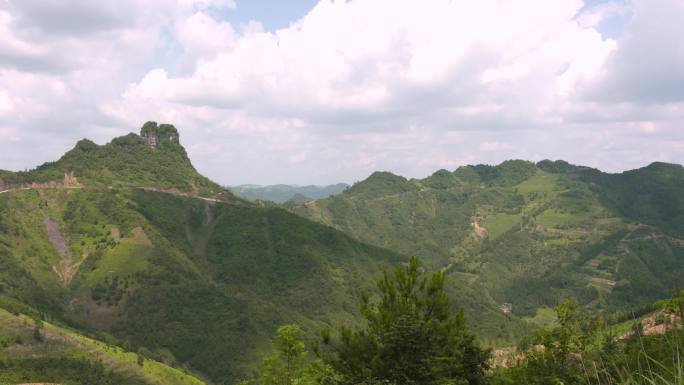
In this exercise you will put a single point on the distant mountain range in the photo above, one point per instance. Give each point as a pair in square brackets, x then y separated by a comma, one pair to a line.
[281, 193]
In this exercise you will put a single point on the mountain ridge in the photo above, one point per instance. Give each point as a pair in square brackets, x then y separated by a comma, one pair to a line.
[528, 233]
[281, 193]
[155, 158]
[104, 239]
[149, 264]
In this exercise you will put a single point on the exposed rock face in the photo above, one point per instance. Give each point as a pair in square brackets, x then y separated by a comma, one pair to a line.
[70, 180]
[154, 134]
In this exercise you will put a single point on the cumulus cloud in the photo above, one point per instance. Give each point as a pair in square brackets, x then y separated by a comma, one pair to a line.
[648, 66]
[362, 61]
[353, 86]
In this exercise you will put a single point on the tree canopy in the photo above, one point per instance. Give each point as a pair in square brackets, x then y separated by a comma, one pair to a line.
[411, 337]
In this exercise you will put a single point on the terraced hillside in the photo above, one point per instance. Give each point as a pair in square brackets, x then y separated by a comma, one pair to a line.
[528, 234]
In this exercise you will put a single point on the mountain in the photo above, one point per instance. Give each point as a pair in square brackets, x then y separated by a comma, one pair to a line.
[281, 193]
[128, 242]
[154, 158]
[528, 234]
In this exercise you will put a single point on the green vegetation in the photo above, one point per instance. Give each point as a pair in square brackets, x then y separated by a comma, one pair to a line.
[528, 234]
[160, 267]
[36, 351]
[410, 337]
[652, 195]
[125, 161]
[292, 363]
[580, 349]
[164, 283]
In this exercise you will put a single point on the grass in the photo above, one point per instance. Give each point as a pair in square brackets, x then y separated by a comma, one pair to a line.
[500, 223]
[540, 183]
[649, 365]
[65, 343]
[556, 218]
[128, 257]
[544, 317]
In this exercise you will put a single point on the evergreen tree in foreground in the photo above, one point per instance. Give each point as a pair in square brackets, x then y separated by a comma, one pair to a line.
[411, 336]
[291, 364]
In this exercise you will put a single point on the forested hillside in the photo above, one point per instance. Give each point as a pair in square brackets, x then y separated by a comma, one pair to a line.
[528, 234]
[197, 282]
[128, 243]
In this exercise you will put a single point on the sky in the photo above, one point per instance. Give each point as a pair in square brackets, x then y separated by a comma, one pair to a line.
[303, 91]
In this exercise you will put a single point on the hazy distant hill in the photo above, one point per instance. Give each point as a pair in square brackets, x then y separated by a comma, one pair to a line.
[281, 193]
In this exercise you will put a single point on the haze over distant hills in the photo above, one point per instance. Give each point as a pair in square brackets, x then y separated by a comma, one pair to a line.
[281, 193]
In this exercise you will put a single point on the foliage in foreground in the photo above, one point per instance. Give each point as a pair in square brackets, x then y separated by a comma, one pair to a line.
[411, 337]
[583, 351]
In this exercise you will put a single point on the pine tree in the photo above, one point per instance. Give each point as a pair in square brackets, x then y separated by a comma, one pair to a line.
[411, 338]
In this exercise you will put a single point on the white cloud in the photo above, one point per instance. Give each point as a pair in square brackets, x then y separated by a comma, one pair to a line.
[352, 87]
[593, 16]
[495, 146]
[648, 65]
[347, 59]
[6, 104]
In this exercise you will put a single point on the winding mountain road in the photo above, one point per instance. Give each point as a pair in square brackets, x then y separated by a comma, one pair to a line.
[146, 188]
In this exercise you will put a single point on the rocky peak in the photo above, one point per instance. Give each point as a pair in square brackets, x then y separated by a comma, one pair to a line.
[154, 134]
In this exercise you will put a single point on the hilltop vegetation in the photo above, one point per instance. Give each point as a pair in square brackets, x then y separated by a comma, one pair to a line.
[153, 159]
[528, 234]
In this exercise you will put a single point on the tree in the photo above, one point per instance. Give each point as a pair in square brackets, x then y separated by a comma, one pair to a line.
[411, 337]
[287, 365]
[676, 304]
[37, 335]
[557, 356]
[291, 364]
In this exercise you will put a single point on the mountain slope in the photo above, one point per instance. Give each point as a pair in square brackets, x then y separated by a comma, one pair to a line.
[48, 353]
[154, 158]
[134, 258]
[121, 247]
[528, 234]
